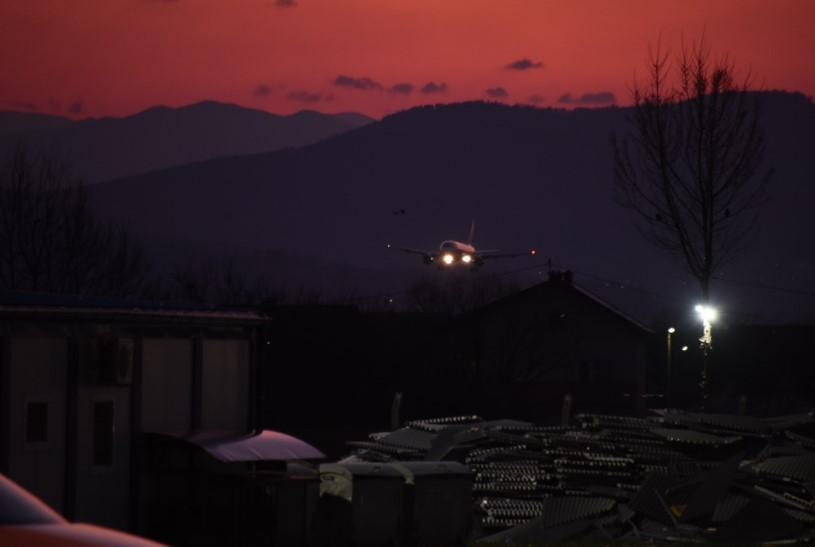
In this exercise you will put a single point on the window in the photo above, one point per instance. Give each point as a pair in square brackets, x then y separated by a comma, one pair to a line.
[103, 429]
[36, 422]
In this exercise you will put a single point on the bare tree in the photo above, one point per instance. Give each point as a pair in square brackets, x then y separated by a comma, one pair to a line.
[51, 239]
[192, 284]
[457, 293]
[690, 165]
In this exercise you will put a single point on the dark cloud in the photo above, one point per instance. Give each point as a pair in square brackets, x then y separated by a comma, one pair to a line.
[262, 90]
[523, 64]
[588, 99]
[305, 97]
[433, 87]
[601, 97]
[402, 89]
[76, 107]
[536, 99]
[285, 3]
[497, 93]
[366, 84]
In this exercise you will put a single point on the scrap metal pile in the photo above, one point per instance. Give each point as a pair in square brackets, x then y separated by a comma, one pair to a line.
[678, 476]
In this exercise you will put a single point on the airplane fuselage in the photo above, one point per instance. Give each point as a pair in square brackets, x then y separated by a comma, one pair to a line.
[455, 252]
[456, 247]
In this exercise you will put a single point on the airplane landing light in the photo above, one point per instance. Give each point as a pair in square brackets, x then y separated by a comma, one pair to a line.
[448, 259]
[466, 259]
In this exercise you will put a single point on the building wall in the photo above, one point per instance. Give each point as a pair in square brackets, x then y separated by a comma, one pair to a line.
[103, 479]
[558, 336]
[225, 385]
[37, 374]
[167, 373]
[562, 342]
[67, 427]
[102, 414]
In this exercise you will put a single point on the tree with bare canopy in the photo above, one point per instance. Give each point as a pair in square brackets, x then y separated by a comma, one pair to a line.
[691, 165]
[51, 239]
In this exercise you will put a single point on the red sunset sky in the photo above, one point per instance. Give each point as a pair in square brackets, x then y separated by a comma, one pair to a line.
[96, 58]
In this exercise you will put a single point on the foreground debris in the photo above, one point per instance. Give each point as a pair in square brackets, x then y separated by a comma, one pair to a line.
[676, 477]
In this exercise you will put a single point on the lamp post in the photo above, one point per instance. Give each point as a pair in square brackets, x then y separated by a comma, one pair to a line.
[668, 390]
[707, 314]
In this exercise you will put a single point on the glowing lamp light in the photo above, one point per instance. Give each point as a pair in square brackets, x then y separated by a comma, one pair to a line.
[533, 252]
[671, 330]
[684, 348]
[466, 259]
[447, 259]
[707, 314]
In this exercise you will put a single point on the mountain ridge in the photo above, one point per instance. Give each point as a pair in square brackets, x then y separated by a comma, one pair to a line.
[100, 149]
[530, 177]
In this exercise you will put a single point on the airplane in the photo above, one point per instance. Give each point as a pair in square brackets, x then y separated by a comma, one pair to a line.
[453, 253]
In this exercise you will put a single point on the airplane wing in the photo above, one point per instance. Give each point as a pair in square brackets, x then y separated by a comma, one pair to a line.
[429, 256]
[495, 253]
[415, 251]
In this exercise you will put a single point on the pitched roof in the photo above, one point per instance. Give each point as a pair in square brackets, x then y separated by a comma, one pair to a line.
[563, 281]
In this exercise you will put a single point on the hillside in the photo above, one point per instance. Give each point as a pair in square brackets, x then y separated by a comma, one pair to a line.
[161, 137]
[530, 177]
[13, 123]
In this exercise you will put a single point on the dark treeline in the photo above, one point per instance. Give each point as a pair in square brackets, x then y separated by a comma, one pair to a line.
[228, 282]
[52, 241]
[457, 292]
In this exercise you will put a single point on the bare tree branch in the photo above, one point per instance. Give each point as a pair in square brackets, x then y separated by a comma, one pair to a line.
[689, 166]
[51, 239]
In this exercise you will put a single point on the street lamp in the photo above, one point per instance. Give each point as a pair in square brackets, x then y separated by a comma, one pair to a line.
[708, 315]
[668, 391]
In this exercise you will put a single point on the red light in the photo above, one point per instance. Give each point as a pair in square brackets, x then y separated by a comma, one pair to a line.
[533, 252]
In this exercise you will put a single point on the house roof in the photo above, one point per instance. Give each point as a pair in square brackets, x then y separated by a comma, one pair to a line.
[562, 281]
[39, 306]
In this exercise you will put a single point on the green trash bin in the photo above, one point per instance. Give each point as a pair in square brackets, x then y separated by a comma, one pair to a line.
[360, 504]
[438, 502]
[296, 494]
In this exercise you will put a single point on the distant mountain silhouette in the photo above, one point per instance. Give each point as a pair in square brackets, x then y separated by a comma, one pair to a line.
[12, 123]
[530, 177]
[160, 137]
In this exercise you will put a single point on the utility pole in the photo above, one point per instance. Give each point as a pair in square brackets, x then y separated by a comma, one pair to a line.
[668, 373]
[708, 315]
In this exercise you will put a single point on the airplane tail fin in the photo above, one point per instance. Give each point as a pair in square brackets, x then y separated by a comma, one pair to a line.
[472, 233]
